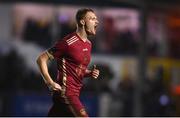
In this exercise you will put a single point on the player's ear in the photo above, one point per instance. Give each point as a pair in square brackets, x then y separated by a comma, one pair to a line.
[82, 22]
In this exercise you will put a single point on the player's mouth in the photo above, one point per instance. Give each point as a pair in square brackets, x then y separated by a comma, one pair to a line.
[95, 27]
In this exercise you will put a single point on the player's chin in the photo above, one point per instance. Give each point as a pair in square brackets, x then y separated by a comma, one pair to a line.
[92, 33]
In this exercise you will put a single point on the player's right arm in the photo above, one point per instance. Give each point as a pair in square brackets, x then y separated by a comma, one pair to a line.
[42, 62]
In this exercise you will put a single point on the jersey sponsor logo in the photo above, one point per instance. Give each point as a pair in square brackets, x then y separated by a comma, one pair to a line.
[71, 40]
[80, 70]
[85, 49]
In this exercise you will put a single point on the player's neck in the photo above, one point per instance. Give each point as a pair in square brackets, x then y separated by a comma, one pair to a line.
[82, 34]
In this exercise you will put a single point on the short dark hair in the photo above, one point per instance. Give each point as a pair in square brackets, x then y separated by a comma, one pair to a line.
[81, 13]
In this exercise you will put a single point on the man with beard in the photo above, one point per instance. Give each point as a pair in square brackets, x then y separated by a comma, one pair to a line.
[72, 54]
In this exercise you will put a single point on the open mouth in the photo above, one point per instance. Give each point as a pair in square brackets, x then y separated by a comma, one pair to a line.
[95, 27]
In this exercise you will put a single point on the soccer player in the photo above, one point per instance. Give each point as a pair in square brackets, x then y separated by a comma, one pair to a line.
[72, 54]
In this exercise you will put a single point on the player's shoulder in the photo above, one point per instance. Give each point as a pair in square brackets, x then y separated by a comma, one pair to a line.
[71, 38]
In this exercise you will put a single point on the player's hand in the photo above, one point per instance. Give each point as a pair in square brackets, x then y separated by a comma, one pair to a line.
[95, 72]
[54, 87]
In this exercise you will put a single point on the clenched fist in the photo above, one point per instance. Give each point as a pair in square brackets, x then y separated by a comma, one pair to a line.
[95, 72]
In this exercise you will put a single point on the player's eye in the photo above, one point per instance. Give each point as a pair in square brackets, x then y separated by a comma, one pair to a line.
[92, 18]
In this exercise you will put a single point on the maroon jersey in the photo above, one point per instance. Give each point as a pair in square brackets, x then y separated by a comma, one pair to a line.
[73, 56]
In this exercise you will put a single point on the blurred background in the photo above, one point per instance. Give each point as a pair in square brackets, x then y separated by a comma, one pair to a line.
[137, 49]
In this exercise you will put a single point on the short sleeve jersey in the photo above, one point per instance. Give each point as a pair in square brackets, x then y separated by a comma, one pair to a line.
[73, 56]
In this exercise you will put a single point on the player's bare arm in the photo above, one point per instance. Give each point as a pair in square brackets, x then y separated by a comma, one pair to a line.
[42, 62]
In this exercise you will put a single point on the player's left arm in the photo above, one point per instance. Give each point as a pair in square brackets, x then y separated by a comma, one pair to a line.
[92, 73]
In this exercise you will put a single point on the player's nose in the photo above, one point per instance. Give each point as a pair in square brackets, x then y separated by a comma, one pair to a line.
[97, 22]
